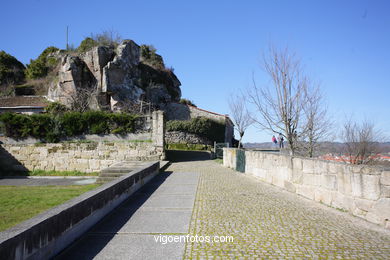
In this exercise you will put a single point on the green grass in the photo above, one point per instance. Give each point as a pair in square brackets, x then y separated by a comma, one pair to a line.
[60, 173]
[188, 147]
[19, 203]
[220, 161]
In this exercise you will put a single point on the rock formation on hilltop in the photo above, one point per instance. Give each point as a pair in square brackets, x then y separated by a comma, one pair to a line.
[113, 77]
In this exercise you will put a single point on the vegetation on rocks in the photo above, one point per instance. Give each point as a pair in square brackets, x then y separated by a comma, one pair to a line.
[202, 126]
[45, 62]
[185, 101]
[11, 70]
[87, 44]
[188, 147]
[150, 57]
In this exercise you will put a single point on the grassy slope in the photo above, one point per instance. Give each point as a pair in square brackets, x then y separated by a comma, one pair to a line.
[19, 203]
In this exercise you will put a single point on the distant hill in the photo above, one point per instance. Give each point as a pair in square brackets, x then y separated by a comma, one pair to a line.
[326, 147]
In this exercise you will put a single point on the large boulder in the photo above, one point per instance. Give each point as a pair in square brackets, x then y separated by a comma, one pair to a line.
[96, 59]
[73, 75]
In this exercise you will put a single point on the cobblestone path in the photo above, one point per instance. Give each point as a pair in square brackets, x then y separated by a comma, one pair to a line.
[267, 222]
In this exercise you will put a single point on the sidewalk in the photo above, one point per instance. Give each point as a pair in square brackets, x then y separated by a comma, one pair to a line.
[163, 206]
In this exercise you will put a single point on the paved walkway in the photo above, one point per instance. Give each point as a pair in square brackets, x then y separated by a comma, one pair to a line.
[264, 221]
[47, 180]
[163, 206]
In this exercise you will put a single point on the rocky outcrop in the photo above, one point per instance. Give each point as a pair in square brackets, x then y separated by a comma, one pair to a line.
[115, 76]
[73, 75]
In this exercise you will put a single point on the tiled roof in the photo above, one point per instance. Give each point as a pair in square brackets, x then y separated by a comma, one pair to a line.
[24, 101]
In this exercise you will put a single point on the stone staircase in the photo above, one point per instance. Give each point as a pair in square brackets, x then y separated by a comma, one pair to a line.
[118, 169]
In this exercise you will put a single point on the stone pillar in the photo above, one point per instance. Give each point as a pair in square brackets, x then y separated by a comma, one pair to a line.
[158, 132]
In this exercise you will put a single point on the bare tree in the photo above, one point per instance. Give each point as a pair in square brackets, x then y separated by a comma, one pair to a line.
[240, 115]
[107, 37]
[360, 141]
[138, 107]
[280, 107]
[83, 99]
[317, 124]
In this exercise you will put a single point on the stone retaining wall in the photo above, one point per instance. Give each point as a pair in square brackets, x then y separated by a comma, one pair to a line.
[177, 137]
[363, 191]
[85, 157]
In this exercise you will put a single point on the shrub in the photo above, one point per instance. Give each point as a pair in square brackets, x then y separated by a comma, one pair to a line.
[149, 56]
[16, 125]
[202, 126]
[87, 44]
[188, 147]
[11, 70]
[122, 123]
[56, 108]
[72, 123]
[96, 122]
[185, 101]
[107, 38]
[40, 67]
[53, 127]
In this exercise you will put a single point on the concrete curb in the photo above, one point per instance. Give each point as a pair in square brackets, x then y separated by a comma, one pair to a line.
[50, 177]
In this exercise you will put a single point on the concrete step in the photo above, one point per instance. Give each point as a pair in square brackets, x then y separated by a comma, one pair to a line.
[117, 170]
[113, 174]
[102, 180]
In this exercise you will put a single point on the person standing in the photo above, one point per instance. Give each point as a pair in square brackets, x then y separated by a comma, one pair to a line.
[281, 140]
[274, 140]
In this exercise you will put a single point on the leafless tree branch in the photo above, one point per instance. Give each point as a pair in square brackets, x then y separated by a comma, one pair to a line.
[240, 115]
[280, 107]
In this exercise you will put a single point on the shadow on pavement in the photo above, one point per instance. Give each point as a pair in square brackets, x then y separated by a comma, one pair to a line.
[187, 156]
[114, 221]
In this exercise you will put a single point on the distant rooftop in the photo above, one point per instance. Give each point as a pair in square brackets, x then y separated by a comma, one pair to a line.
[23, 101]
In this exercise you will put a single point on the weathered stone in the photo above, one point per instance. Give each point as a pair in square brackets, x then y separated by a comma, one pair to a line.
[323, 196]
[329, 182]
[308, 166]
[341, 201]
[385, 178]
[113, 78]
[371, 186]
[312, 179]
[305, 191]
[363, 204]
[380, 212]
[289, 186]
[359, 213]
[95, 60]
[385, 191]
[297, 163]
[357, 186]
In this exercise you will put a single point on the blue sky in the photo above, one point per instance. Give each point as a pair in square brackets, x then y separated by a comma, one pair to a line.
[215, 46]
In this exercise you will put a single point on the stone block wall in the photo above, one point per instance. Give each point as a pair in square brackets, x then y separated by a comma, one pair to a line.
[90, 156]
[85, 157]
[177, 137]
[177, 111]
[364, 191]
